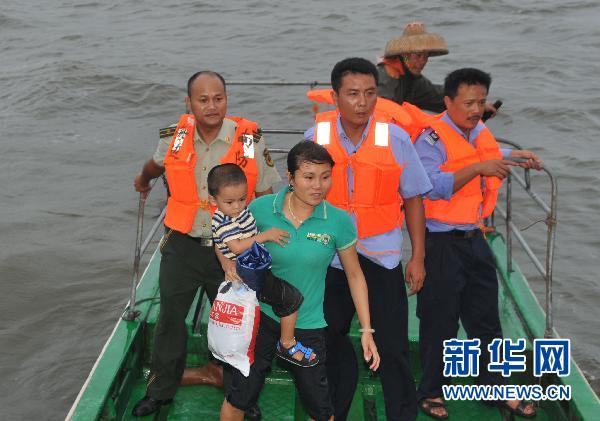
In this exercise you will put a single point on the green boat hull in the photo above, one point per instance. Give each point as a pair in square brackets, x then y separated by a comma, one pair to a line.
[118, 378]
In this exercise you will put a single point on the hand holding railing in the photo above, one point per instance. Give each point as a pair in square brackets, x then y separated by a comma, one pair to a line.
[550, 220]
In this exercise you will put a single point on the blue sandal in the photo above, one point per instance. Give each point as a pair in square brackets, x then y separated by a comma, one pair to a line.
[287, 354]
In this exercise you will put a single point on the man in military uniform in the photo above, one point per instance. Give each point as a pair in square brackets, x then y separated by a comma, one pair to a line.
[203, 139]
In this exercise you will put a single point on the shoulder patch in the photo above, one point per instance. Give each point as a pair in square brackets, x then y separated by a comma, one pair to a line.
[257, 135]
[268, 158]
[167, 131]
[432, 138]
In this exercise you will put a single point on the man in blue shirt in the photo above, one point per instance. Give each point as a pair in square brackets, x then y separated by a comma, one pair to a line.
[465, 166]
[352, 135]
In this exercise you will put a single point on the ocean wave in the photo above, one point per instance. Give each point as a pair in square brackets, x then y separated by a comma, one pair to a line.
[82, 88]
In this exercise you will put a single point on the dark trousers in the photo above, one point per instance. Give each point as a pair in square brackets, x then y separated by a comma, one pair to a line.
[282, 296]
[311, 382]
[389, 317]
[185, 266]
[461, 283]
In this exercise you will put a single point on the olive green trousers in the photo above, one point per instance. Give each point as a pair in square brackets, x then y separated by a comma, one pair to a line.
[185, 266]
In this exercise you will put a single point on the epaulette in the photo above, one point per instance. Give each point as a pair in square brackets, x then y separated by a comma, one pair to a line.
[432, 138]
[167, 131]
[257, 135]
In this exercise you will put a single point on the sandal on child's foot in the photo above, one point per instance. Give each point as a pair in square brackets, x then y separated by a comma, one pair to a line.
[288, 354]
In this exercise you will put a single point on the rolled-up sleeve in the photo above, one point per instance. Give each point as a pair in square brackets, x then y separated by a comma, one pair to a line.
[432, 156]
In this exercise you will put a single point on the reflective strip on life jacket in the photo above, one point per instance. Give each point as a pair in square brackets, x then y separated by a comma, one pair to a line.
[375, 200]
[390, 111]
[180, 163]
[241, 152]
[382, 134]
[323, 132]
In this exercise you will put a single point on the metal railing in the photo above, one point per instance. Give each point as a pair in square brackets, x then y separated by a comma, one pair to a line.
[546, 270]
[311, 84]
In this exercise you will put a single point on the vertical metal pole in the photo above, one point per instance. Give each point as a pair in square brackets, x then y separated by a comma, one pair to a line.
[551, 223]
[508, 222]
[131, 313]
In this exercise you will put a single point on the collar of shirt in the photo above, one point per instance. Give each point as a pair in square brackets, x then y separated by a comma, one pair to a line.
[348, 145]
[320, 211]
[225, 134]
[472, 134]
[221, 215]
[228, 218]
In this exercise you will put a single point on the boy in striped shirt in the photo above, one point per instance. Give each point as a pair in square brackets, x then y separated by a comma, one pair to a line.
[234, 231]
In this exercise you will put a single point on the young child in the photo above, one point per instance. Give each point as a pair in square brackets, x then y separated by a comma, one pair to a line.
[234, 231]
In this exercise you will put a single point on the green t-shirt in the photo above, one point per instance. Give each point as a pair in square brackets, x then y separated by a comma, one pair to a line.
[304, 260]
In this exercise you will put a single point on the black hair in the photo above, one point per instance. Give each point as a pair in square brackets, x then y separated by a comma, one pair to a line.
[204, 72]
[468, 76]
[224, 175]
[307, 151]
[352, 65]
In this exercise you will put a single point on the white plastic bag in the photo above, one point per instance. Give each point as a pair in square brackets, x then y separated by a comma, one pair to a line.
[233, 325]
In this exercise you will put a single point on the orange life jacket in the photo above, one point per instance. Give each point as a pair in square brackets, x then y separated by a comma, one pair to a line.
[180, 162]
[410, 117]
[375, 200]
[473, 201]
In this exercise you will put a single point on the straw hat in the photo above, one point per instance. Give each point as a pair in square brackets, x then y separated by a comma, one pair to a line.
[415, 39]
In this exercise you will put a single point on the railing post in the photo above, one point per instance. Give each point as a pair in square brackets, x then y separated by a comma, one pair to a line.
[551, 238]
[131, 313]
[508, 222]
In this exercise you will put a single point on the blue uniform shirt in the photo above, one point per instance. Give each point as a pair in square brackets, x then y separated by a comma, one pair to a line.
[414, 182]
[433, 154]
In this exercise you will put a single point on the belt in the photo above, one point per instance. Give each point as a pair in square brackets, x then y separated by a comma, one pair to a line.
[457, 233]
[204, 242]
[464, 234]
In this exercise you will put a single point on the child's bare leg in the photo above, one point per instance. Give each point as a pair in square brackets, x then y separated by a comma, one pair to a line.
[288, 325]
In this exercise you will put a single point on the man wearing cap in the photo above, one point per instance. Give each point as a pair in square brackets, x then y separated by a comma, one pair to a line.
[400, 69]
[465, 166]
[202, 139]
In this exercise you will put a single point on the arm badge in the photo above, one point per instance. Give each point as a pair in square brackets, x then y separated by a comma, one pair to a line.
[268, 159]
[432, 138]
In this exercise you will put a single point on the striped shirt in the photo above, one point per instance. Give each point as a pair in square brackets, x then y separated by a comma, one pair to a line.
[226, 228]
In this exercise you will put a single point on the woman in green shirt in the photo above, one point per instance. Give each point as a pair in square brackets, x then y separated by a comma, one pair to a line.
[318, 231]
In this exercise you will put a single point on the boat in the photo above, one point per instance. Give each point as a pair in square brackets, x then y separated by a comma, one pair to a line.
[118, 378]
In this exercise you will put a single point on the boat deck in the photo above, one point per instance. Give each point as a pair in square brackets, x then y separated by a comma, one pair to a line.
[279, 401]
[118, 379]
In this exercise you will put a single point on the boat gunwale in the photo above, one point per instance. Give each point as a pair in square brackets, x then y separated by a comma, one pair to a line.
[585, 402]
[531, 315]
[142, 287]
